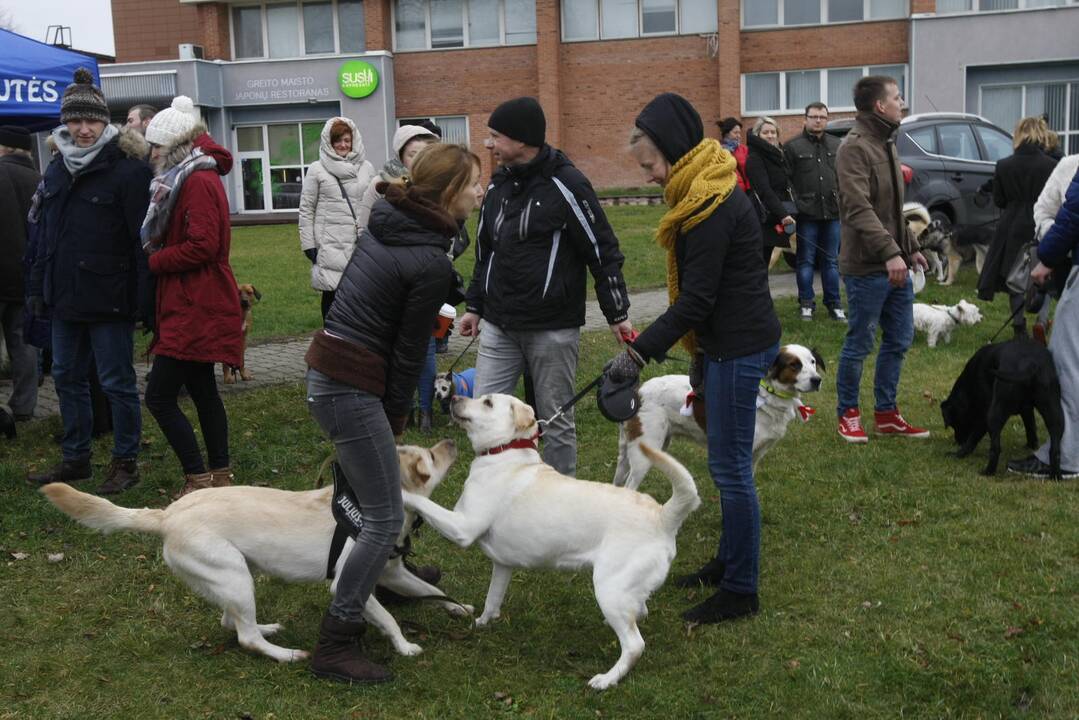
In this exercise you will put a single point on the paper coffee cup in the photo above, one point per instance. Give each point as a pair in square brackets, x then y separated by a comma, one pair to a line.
[446, 316]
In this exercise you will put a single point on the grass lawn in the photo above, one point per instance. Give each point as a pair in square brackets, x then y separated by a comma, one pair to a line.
[895, 582]
[269, 257]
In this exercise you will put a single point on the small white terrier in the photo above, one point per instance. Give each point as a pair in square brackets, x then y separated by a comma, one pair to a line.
[938, 321]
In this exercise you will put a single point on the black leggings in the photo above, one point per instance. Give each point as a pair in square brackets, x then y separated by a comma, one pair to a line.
[162, 390]
[327, 300]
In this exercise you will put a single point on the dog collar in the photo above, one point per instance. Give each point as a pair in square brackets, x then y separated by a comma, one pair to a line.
[778, 393]
[518, 444]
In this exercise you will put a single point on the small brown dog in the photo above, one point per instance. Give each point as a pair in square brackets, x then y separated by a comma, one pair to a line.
[249, 295]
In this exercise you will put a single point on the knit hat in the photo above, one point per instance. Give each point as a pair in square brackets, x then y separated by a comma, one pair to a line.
[727, 124]
[82, 100]
[521, 119]
[173, 123]
[407, 133]
[16, 137]
[435, 129]
[673, 125]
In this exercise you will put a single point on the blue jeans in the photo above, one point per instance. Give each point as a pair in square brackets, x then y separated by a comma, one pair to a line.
[818, 239]
[872, 302]
[426, 388]
[110, 345]
[730, 389]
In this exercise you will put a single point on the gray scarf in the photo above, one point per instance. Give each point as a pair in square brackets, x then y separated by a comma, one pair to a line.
[76, 158]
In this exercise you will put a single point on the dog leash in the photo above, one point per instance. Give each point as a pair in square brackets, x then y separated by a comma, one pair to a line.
[467, 348]
[563, 409]
[1007, 322]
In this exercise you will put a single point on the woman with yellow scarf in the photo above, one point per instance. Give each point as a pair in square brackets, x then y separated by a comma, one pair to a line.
[721, 309]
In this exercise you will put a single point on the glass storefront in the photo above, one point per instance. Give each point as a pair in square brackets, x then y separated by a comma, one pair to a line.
[273, 160]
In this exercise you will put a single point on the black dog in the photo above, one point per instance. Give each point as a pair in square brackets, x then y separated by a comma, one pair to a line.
[1001, 380]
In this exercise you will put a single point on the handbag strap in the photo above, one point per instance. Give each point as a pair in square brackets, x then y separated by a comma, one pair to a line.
[345, 196]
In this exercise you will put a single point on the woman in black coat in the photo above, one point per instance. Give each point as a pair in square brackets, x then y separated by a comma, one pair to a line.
[1017, 182]
[769, 178]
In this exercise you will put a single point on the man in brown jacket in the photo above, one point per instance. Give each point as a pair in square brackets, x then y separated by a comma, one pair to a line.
[876, 251]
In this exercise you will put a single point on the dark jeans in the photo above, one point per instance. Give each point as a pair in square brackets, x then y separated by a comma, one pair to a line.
[356, 423]
[162, 390]
[327, 301]
[110, 345]
[818, 244]
[426, 388]
[23, 398]
[731, 406]
[871, 303]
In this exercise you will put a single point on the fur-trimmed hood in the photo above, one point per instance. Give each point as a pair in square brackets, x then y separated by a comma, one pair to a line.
[197, 138]
[133, 144]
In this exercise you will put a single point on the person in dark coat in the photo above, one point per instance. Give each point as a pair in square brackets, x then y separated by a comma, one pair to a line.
[89, 271]
[18, 181]
[197, 315]
[1017, 182]
[721, 309]
[770, 180]
[364, 366]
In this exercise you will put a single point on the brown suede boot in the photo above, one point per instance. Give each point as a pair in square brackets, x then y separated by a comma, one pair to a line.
[337, 655]
[197, 481]
[222, 477]
[121, 475]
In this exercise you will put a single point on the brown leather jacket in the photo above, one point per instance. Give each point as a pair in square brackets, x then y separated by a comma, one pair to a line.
[872, 229]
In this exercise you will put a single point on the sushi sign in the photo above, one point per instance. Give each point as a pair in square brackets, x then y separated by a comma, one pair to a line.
[358, 79]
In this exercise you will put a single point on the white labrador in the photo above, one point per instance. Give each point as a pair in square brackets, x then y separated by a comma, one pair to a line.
[524, 514]
[215, 538]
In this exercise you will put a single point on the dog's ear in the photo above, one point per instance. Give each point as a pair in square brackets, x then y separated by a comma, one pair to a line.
[524, 416]
[255, 290]
[777, 364]
[412, 471]
[819, 359]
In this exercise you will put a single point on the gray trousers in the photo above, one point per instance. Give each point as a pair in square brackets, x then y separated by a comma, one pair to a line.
[551, 359]
[1064, 344]
[23, 398]
[361, 434]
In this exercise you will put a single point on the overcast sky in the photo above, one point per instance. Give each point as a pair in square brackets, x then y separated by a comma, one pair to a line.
[90, 21]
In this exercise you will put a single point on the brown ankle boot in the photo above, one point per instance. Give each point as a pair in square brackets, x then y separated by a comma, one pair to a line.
[337, 655]
[222, 477]
[121, 475]
[197, 481]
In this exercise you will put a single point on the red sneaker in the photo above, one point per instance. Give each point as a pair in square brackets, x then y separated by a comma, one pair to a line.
[850, 426]
[890, 422]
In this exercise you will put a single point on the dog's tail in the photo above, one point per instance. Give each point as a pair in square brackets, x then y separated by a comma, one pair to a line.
[100, 514]
[684, 498]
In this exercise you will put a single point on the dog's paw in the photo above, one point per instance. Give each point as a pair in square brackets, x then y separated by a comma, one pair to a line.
[485, 620]
[602, 681]
[296, 656]
[270, 629]
[988, 472]
[460, 610]
[408, 649]
[230, 379]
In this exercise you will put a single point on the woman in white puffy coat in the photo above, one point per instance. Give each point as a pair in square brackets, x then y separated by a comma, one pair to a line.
[332, 192]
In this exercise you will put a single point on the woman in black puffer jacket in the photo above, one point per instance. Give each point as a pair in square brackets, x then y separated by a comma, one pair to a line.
[770, 179]
[363, 369]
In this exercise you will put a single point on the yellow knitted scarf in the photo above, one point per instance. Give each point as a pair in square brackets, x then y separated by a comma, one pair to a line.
[698, 183]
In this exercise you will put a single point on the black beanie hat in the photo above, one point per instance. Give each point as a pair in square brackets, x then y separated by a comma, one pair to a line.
[521, 119]
[16, 137]
[672, 124]
[727, 124]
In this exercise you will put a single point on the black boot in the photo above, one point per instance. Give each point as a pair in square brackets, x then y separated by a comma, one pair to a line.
[1019, 332]
[724, 605]
[68, 471]
[337, 655]
[425, 422]
[122, 474]
[711, 574]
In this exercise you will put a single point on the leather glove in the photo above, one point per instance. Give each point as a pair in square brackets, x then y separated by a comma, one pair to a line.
[626, 365]
[696, 372]
[312, 254]
[36, 303]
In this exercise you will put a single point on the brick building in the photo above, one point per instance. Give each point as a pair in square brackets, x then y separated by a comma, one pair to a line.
[592, 63]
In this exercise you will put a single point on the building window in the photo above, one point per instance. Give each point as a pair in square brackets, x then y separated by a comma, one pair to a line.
[778, 13]
[613, 19]
[790, 91]
[945, 7]
[454, 127]
[273, 162]
[445, 24]
[1005, 105]
[295, 29]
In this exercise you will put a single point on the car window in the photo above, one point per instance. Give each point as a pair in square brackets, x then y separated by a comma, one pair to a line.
[957, 140]
[924, 138]
[997, 145]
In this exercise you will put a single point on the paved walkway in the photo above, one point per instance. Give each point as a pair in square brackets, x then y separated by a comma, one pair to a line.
[282, 362]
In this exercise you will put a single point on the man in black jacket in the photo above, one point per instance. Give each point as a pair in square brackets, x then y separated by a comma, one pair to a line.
[540, 227]
[18, 180]
[811, 157]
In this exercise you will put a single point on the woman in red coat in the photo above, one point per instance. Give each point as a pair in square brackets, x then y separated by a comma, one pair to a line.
[197, 315]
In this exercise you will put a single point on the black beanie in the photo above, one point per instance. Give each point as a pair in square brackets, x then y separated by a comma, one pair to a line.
[672, 124]
[727, 124]
[16, 137]
[521, 119]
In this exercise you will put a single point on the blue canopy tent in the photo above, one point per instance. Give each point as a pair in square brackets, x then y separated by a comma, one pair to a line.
[33, 77]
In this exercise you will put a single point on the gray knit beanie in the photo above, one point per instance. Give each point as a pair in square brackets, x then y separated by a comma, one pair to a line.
[82, 100]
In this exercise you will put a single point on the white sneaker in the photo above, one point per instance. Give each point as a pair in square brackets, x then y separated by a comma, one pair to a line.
[807, 313]
[837, 314]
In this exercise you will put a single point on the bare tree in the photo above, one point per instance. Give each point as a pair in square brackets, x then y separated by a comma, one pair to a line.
[7, 19]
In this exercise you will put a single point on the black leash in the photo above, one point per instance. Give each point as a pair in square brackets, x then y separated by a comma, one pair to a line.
[467, 348]
[1007, 322]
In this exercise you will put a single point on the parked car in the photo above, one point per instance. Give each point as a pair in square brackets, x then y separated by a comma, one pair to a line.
[948, 160]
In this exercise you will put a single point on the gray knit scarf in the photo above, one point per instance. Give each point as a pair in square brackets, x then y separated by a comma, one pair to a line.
[164, 189]
[76, 158]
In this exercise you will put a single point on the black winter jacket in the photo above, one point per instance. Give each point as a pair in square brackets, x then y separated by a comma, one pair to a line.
[812, 166]
[18, 180]
[540, 227]
[1017, 183]
[90, 266]
[769, 178]
[389, 296]
[723, 283]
